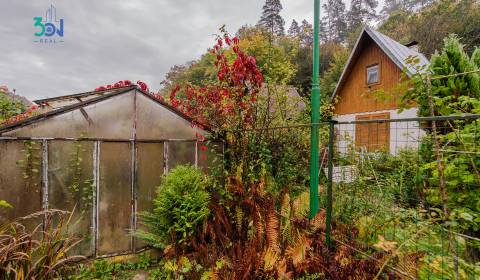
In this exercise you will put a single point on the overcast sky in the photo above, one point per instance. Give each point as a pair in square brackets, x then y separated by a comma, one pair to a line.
[110, 40]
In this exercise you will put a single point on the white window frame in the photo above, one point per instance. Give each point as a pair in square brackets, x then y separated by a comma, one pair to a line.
[369, 71]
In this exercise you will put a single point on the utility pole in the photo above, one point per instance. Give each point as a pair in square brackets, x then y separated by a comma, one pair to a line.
[315, 113]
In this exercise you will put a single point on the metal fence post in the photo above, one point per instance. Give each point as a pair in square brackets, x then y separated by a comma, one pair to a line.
[315, 113]
[328, 220]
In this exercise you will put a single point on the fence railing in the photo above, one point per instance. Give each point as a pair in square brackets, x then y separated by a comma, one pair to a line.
[408, 192]
[380, 187]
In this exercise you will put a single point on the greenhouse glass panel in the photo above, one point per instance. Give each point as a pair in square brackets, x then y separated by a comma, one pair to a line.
[111, 118]
[71, 187]
[180, 153]
[21, 180]
[150, 169]
[158, 122]
[114, 206]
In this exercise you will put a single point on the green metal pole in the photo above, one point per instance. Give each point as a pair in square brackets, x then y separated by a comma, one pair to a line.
[328, 220]
[315, 113]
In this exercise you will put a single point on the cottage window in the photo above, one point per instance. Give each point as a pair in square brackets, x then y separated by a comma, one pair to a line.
[373, 74]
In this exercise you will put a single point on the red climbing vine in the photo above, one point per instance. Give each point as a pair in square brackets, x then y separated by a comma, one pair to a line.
[227, 103]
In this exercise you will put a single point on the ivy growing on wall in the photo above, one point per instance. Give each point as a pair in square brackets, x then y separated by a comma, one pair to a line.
[82, 189]
[31, 164]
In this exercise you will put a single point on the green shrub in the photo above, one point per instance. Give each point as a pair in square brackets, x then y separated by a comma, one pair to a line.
[181, 206]
[107, 270]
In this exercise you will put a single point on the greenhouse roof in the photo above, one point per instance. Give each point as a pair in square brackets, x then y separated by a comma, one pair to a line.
[62, 104]
[66, 100]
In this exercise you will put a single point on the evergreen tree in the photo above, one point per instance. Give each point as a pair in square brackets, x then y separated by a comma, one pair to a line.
[334, 21]
[271, 18]
[294, 29]
[325, 34]
[306, 33]
[390, 6]
[434, 22]
[361, 12]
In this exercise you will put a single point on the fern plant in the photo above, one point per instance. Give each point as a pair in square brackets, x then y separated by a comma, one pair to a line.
[181, 206]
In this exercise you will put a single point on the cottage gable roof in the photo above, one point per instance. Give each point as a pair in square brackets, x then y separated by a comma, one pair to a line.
[397, 52]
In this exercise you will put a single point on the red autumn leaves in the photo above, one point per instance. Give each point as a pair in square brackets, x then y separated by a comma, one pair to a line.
[28, 113]
[229, 101]
[123, 83]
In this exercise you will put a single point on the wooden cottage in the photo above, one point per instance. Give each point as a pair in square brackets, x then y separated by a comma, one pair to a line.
[368, 90]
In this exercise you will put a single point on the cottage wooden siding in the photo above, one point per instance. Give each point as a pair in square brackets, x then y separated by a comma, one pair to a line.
[357, 101]
[373, 136]
[356, 97]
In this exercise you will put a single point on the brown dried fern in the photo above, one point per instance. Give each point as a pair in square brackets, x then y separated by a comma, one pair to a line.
[286, 222]
[238, 218]
[272, 228]
[301, 205]
[270, 258]
[299, 250]
[409, 265]
[318, 222]
[258, 223]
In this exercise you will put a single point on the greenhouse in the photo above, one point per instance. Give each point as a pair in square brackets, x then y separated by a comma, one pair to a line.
[101, 154]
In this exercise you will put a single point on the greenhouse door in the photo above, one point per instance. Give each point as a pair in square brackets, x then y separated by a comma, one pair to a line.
[114, 198]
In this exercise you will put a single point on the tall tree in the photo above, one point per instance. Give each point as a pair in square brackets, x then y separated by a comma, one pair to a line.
[390, 6]
[294, 29]
[306, 33]
[334, 21]
[361, 12]
[271, 18]
[325, 34]
[431, 24]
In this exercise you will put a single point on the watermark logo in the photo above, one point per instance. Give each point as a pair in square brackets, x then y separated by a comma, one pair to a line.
[49, 28]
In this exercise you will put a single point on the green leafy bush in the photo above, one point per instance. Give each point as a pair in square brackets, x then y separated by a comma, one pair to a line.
[9, 107]
[181, 206]
[454, 90]
[107, 270]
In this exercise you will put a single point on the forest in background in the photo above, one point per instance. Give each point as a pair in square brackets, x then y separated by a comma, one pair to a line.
[284, 54]
[411, 215]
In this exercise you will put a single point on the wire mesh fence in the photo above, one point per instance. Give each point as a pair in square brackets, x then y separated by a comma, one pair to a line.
[404, 192]
[409, 188]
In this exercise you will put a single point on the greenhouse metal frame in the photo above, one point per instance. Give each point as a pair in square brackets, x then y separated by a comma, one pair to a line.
[102, 154]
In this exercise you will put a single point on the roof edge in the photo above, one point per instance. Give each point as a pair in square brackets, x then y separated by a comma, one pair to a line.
[386, 50]
[40, 101]
[367, 30]
[348, 63]
[66, 109]
[173, 109]
[69, 108]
